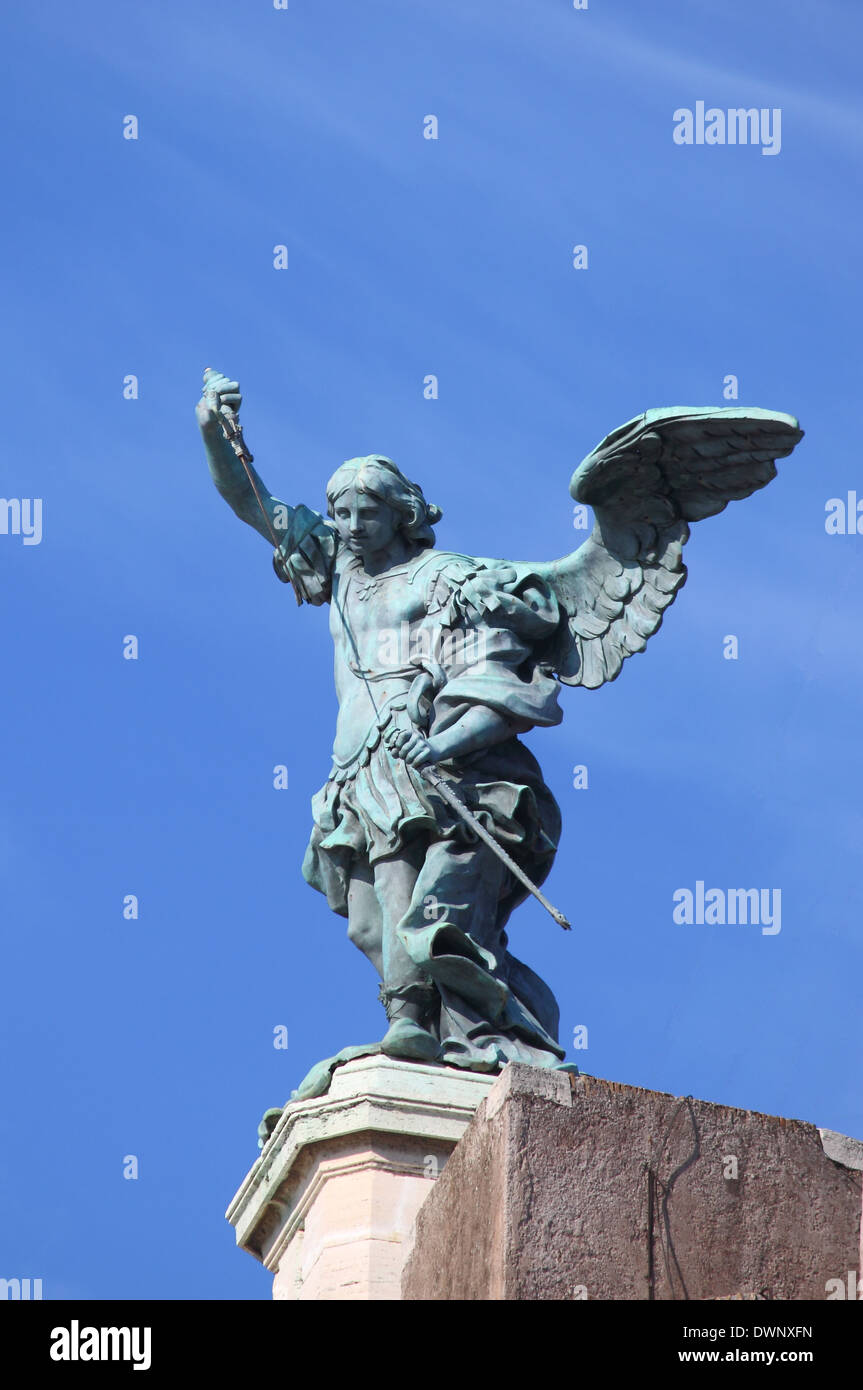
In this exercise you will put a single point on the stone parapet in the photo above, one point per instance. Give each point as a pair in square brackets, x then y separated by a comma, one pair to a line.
[573, 1187]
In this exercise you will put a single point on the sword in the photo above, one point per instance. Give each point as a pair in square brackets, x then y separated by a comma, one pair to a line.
[433, 777]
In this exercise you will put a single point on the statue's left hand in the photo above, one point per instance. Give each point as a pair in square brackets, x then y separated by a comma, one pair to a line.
[219, 390]
[411, 746]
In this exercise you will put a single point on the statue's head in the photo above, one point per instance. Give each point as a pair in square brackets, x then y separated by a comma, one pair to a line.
[371, 501]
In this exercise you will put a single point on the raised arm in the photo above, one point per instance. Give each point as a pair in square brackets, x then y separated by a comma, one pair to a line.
[304, 542]
[270, 517]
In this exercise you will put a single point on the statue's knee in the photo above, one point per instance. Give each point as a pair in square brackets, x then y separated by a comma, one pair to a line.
[355, 932]
[362, 935]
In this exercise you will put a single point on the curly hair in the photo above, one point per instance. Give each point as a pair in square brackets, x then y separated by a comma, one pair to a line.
[379, 477]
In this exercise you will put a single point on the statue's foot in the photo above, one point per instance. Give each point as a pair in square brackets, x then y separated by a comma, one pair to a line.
[409, 1040]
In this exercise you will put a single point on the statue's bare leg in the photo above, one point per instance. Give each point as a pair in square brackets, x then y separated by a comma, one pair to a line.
[407, 993]
[377, 900]
[365, 918]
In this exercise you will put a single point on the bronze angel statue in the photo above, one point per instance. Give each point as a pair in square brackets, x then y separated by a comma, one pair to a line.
[435, 821]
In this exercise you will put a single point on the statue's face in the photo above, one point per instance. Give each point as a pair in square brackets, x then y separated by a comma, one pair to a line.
[366, 525]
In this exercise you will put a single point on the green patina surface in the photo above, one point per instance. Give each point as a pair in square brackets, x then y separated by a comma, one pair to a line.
[443, 661]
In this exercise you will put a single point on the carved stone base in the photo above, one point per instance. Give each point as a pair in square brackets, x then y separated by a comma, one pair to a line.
[330, 1205]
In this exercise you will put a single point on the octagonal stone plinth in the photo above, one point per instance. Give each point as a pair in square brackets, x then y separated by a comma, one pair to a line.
[330, 1205]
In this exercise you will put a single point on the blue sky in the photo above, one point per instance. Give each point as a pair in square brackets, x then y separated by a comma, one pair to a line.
[406, 257]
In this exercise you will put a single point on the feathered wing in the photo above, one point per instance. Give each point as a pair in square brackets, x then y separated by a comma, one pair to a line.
[646, 482]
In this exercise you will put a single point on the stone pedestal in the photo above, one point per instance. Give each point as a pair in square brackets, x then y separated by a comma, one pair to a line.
[331, 1203]
[572, 1188]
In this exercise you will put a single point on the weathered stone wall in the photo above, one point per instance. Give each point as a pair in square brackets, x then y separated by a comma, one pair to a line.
[567, 1187]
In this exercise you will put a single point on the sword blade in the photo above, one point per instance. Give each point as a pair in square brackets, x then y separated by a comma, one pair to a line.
[436, 780]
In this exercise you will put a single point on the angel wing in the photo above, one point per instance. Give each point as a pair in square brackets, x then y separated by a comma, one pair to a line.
[646, 482]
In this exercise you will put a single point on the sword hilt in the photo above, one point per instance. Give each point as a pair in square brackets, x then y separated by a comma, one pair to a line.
[233, 432]
[231, 427]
